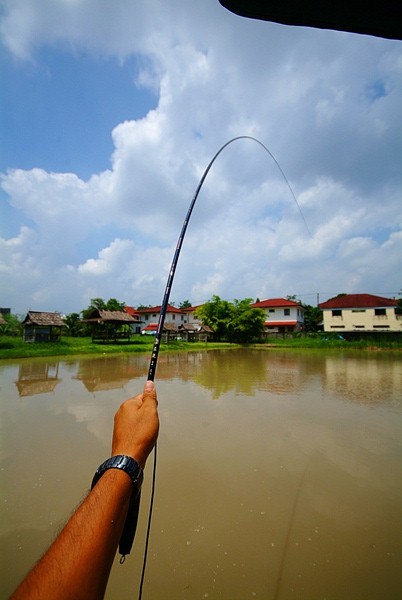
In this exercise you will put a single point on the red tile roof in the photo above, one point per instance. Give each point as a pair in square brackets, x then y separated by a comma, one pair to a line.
[131, 311]
[275, 303]
[191, 308]
[157, 309]
[358, 301]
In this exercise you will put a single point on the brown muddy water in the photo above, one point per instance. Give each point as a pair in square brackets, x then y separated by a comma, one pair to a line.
[279, 472]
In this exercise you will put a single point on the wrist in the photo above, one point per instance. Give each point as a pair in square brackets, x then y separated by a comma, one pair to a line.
[136, 453]
[123, 463]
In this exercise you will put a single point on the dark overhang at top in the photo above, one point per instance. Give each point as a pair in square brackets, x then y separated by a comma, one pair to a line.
[381, 18]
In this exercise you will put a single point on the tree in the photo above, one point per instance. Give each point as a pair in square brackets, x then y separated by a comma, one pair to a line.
[13, 325]
[235, 321]
[100, 304]
[185, 304]
[216, 314]
[312, 318]
[398, 309]
[247, 323]
[74, 326]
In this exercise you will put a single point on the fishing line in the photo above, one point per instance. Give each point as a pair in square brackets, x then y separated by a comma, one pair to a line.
[158, 337]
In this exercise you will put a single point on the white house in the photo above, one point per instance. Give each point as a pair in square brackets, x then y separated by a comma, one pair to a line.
[360, 312]
[282, 316]
[150, 316]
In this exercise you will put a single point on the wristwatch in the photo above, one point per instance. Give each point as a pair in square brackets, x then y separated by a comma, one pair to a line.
[124, 463]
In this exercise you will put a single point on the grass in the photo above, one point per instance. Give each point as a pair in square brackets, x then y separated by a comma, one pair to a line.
[13, 347]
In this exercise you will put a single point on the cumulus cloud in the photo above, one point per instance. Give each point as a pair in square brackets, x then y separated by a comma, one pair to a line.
[327, 104]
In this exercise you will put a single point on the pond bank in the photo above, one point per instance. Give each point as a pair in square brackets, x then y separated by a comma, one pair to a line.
[12, 347]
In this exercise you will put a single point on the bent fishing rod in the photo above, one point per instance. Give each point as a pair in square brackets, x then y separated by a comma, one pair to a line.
[130, 526]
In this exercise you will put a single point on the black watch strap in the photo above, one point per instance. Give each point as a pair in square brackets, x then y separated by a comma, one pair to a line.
[124, 463]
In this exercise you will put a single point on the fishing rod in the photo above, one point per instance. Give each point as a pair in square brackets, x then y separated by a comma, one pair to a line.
[130, 526]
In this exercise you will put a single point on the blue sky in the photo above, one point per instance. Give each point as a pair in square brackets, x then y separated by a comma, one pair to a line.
[110, 116]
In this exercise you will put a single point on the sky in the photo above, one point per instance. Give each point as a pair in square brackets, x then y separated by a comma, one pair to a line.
[112, 111]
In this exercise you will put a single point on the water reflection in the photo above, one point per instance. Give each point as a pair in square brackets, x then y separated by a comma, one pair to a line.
[279, 473]
[37, 378]
[99, 375]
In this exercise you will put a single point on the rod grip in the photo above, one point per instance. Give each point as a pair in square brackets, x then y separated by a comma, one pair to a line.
[130, 526]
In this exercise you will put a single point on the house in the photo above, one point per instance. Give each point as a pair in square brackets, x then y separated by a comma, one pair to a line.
[282, 315]
[42, 326]
[151, 314]
[107, 325]
[136, 328]
[189, 315]
[361, 312]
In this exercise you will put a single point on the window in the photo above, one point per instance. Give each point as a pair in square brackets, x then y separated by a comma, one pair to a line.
[337, 312]
[286, 312]
[337, 326]
[358, 310]
[271, 310]
[380, 312]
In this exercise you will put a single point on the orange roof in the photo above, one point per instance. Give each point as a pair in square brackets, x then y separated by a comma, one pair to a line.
[131, 311]
[275, 303]
[358, 301]
[280, 323]
[190, 308]
[157, 309]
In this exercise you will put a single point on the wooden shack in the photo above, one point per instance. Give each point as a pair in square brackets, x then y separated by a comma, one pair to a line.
[194, 332]
[110, 325]
[42, 326]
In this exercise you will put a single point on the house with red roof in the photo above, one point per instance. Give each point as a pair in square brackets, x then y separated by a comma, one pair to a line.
[150, 316]
[282, 315]
[360, 312]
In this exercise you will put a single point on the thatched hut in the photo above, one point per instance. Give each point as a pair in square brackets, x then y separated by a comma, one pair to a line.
[42, 326]
[195, 332]
[110, 325]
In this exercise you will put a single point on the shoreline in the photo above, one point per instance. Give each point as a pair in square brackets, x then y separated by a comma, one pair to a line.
[16, 348]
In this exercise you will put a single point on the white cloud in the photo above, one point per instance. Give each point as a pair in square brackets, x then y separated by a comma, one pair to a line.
[327, 104]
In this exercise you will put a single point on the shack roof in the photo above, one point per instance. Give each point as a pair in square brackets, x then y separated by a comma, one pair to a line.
[110, 316]
[45, 319]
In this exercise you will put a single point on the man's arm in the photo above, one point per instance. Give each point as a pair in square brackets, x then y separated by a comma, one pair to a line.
[78, 563]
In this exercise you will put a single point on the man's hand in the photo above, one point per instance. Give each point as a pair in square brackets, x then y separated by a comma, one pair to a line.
[136, 425]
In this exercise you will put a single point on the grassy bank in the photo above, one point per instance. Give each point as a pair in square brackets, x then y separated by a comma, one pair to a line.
[13, 347]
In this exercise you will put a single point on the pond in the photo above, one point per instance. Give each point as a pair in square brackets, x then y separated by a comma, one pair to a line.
[279, 472]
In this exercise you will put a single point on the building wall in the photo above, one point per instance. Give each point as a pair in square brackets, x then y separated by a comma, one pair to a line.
[171, 317]
[283, 315]
[362, 319]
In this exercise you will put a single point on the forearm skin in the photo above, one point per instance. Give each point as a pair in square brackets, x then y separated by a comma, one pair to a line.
[77, 565]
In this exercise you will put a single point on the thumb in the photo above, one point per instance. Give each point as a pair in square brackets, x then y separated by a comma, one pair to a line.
[149, 387]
